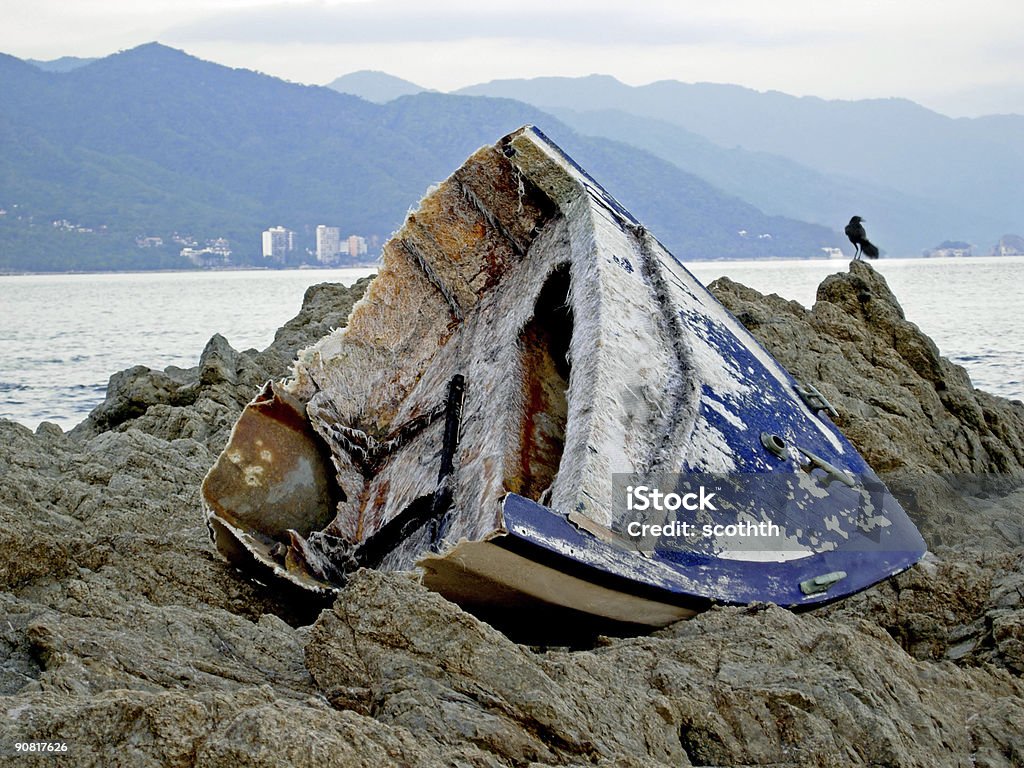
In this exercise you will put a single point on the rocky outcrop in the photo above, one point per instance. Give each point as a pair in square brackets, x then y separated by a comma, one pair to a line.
[754, 686]
[901, 402]
[203, 403]
[125, 635]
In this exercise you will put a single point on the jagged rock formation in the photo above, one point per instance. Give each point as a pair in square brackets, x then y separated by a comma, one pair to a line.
[755, 686]
[954, 455]
[899, 401]
[123, 633]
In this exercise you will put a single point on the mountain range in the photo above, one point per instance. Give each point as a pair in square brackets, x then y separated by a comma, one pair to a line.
[152, 142]
[918, 176]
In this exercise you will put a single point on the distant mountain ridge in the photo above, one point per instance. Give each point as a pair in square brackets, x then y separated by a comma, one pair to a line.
[375, 86]
[152, 142]
[940, 177]
[775, 184]
[63, 64]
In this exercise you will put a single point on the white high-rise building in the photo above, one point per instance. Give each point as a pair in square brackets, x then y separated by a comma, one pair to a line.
[278, 242]
[328, 244]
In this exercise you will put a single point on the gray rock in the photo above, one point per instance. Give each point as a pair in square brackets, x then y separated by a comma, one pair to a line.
[1008, 634]
[731, 687]
[124, 633]
[213, 729]
[899, 401]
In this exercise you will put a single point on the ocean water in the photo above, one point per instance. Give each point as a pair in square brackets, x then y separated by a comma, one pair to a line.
[61, 336]
[972, 308]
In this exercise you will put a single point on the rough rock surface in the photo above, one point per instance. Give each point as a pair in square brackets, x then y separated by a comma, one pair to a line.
[951, 453]
[124, 634]
[899, 401]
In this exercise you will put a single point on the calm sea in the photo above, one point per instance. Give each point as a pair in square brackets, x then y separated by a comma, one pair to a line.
[61, 336]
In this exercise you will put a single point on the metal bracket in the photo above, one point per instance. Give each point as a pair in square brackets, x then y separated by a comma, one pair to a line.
[452, 432]
[828, 468]
[814, 400]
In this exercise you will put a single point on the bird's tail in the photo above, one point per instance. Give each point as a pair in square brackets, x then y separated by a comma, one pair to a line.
[869, 249]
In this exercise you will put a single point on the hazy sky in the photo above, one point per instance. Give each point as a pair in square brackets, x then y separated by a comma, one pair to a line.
[957, 56]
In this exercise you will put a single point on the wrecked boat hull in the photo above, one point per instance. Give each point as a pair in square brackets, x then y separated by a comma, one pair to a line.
[545, 557]
[528, 355]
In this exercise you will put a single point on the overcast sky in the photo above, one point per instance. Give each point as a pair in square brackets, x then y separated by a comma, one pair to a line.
[959, 57]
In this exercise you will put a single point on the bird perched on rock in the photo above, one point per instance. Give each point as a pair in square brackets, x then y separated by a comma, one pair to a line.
[855, 231]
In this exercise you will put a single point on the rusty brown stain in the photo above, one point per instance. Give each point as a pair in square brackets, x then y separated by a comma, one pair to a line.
[542, 427]
[280, 410]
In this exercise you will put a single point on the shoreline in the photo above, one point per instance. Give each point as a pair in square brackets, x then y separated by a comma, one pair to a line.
[376, 264]
[197, 270]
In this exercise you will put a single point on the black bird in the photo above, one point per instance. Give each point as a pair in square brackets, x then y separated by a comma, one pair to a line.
[855, 231]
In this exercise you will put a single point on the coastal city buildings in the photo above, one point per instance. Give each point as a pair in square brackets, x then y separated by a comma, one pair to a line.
[949, 248]
[328, 244]
[1009, 245]
[356, 246]
[331, 248]
[280, 247]
[215, 253]
[278, 243]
